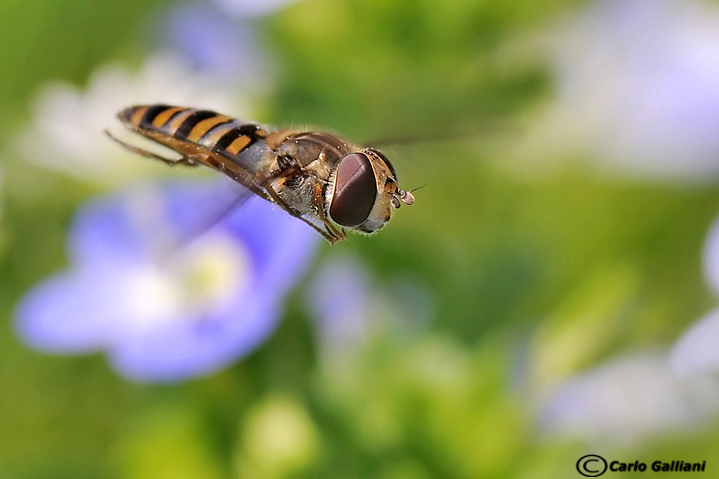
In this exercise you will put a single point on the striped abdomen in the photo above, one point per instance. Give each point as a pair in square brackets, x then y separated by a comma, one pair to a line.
[174, 126]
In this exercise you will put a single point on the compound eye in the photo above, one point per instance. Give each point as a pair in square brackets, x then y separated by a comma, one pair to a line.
[355, 190]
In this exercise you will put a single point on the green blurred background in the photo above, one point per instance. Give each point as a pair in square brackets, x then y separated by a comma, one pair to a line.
[531, 276]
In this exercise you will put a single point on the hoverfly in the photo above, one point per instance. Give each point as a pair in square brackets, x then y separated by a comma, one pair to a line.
[321, 179]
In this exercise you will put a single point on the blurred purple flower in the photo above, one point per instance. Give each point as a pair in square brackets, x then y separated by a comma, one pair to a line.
[633, 398]
[165, 310]
[629, 400]
[696, 350]
[636, 88]
[340, 300]
[711, 257]
[252, 8]
[217, 43]
[350, 306]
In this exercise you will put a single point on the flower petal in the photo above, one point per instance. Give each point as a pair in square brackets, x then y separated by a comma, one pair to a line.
[711, 257]
[252, 8]
[628, 400]
[216, 43]
[65, 313]
[102, 231]
[199, 347]
[696, 351]
[282, 245]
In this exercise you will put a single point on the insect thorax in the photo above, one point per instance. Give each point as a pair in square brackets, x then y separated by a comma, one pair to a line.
[314, 156]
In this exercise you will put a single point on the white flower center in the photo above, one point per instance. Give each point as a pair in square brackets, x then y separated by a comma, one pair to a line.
[200, 279]
[212, 271]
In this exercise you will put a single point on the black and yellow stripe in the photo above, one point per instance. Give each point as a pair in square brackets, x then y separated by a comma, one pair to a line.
[208, 129]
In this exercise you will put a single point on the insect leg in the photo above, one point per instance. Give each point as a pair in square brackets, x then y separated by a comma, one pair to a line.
[185, 160]
[321, 213]
[328, 235]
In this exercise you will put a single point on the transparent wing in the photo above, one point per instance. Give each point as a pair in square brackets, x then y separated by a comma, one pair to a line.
[231, 198]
